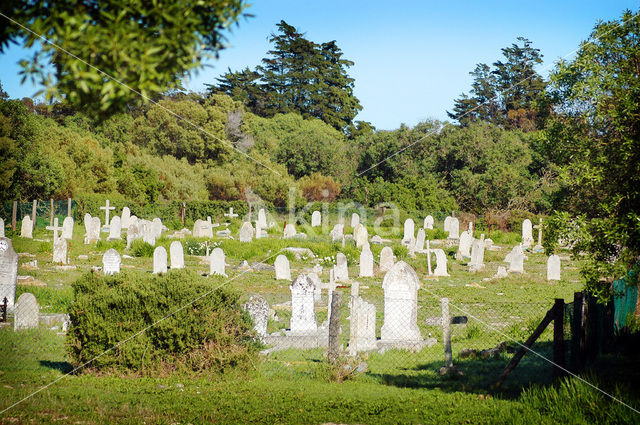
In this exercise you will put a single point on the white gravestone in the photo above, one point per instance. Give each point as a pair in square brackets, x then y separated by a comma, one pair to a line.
[8, 272]
[464, 246]
[409, 231]
[428, 222]
[111, 262]
[133, 232]
[341, 270]
[303, 316]
[527, 233]
[26, 230]
[454, 228]
[1, 228]
[230, 214]
[26, 312]
[160, 260]
[115, 229]
[553, 267]
[93, 230]
[289, 231]
[361, 235]
[386, 259]
[258, 230]
[447, 222]
[337, 233]
[125, 218]
[217, 262]
[400, 286]
[366, 261]
[202, 229]
[107, 211]
[316, 219]
[148, 232]
[60, 249]
[67, 228]
[355, 220]
[477, 255]
[282, 269]
[176, 253]
[258, 309]
[157, 227]
[420, 238]
[441, 263]
[516, 260]
[362, 334]
[262, 218]
[246, 232]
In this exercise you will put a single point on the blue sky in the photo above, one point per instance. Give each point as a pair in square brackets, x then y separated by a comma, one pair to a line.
[412, 58]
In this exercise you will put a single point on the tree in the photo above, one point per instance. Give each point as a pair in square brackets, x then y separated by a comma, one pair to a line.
[597, 132]
[243, 86]
[148, 46]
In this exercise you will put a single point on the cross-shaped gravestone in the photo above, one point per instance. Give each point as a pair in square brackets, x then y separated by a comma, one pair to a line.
[106, 209]
[55, 229]
[231, 214]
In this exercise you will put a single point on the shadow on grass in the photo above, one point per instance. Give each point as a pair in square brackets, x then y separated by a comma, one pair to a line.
[63, 367]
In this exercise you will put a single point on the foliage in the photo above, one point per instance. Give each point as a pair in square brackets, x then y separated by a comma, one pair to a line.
[140, 248]
[319, 188]
[208, 331]
[147, 46]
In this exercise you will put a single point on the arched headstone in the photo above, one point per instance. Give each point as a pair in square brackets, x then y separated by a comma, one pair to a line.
[400, 286]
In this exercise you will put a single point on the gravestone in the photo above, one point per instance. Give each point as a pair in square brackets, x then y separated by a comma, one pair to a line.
[366, 261]
[156, 228]
[93, 230]
[361, 235]
[409, 231]
[282, 269]
[464, 245]
[355, 220]
[217, 262]
[67, 228]
[115, 229]
[111, 262]
[316, 219]
[386, 259]
[400, 326]
[420, 238]
[258, 309]
[107, 211]
[262, 218]
[160, 260]
[516, 260]
[26, 314]
[289, 231]
[230, 214]
[477, 255]
[258, 230]
[8, 272]
[341, 270]
[246, 232]
[447, 221]
[125, 218]
[147, 231]
[26, 230]
[134, 232]
[1, 228]
[441, 263]
[454, 228]
[527, 233]
[202, 229]
[303, 316]
[553, 267]
[176, 253]
[362, 334]
[60, 251]
[337, 233]
[428, 222]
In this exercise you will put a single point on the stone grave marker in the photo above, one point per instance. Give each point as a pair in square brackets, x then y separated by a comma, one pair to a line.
[93, 230]
[246, 232]
[125, 218]
[386, 259]
[282, 269]
[176, 253]
[477, 255]
[159, 260]
[202, 229]
[420, 238]
[337, 233]
[366, 261]
[26, 230]
[8, 272]
[464, 245]
[527, 233]
[26, 312]
[316, 219]
[217, 261]
[67, 228]
[341, 270]
[60, 249]
[133, 232]
[361, 235]
[362, 334]
[303, 316]
[258, 309]
[516, 260]
[111, 262]
[355, 220]
[1, 228]
[230, 214]
[553, 267]
[289, 231]
[454, 228]
[400, 326]
[428, 222]
[262, 218]
[447, 221]
[107, 211]
[157, 227]
[441, 263]
[409, 231]
[115, 229]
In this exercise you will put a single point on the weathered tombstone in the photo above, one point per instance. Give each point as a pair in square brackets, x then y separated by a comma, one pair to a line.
[8, 272]
[366, 261]
[67, 228]
[92, 226]
[246, 232]
[107, 211]
[420, 238]
[160, 260]
[134, 232]
[282, 269]
[115, 229]
[362, 334]
[341, 270]
[217, 262]
[355, 220]
[454, 228]
[202, 229]
[156, 226]
[1, 228]
[337, 232]
[26, 314]
[289, 231]
[400, 326]
[258, 309]
[176, 254]
[60, 249]
[386, 259]
[26, 231]
[428, 222]
[147, 231]
[516, 260]
[477, 255]
[447, 221]
[464, 245]
[441, 263]
[409, 231]
[316, 219]
[111, 262]
[553, 267]
[360, 235]
[87, 224]
[262, 218]
[258, 230]
[527, 233]
[303, 315]
[230, 214]
[125, 218]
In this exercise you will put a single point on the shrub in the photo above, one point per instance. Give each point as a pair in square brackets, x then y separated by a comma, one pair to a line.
[319, 188]
[212, 333]
[140, 248]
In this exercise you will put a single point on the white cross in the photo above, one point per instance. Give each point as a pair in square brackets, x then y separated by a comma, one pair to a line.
[231, 214]
[55, 229]
[107, 208]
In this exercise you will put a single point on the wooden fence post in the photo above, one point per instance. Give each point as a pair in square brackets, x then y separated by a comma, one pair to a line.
[446, 332]
[51, 214]
[182, 213]
[558, 339]
[577, 334]
[14, 216]
[68, 207]
[33, 212]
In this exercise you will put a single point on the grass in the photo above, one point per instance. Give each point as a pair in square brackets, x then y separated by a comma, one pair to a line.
[289, 386]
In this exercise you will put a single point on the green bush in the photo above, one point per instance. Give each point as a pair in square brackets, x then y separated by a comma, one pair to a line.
[140, 248]
[118, 245]
[212, 333]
